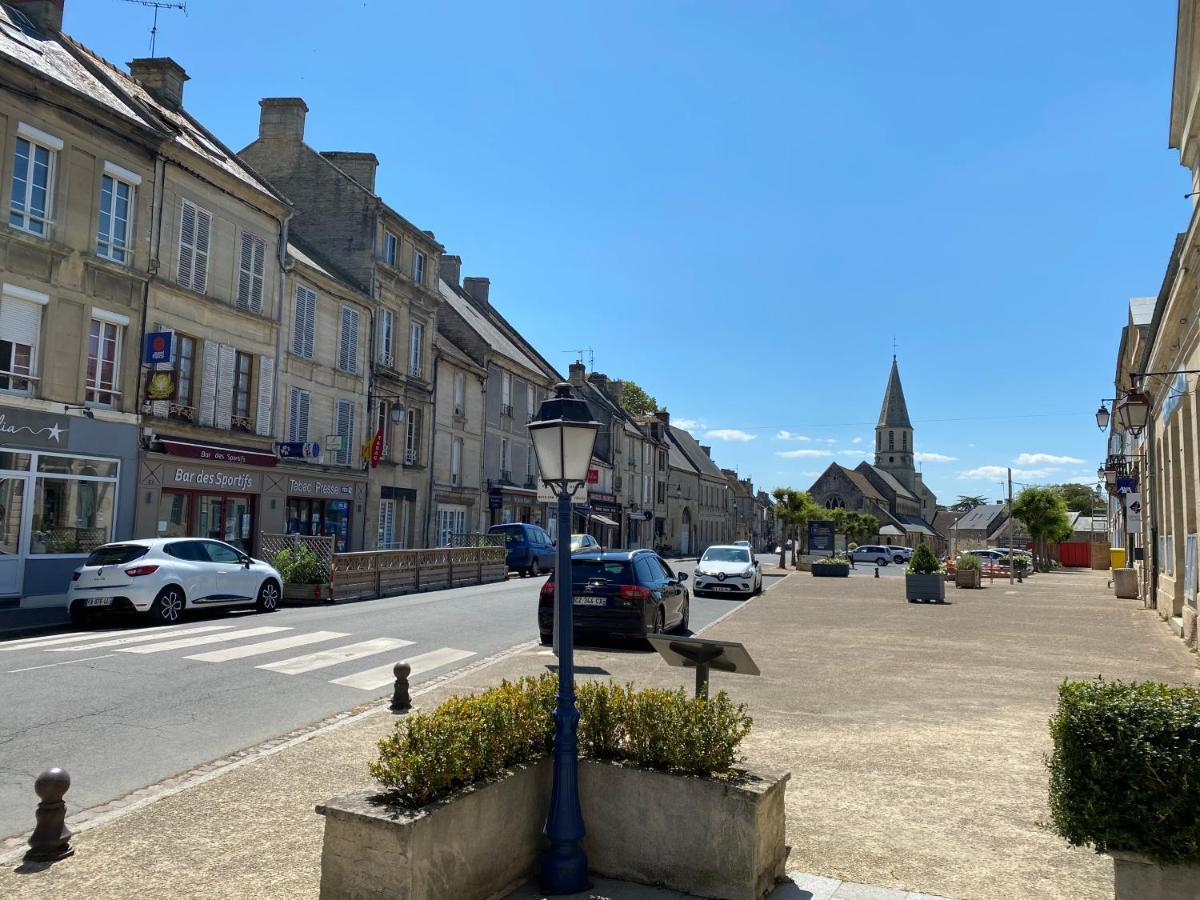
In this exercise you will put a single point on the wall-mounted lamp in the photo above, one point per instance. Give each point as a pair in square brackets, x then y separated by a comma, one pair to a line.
[87, 411]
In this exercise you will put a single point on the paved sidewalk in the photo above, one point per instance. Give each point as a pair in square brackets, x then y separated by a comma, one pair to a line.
[797, 886]
[915, 735]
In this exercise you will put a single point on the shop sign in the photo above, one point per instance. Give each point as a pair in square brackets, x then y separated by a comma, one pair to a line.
[160, 347]
[33, 429]
[495, 498]
[593, 476]
[312, 488]
[643, 516]
[602, 498]
[1133, 512]
[299, 450]
[213, 478]
[820, 538]
[245, 457]
[1126, 484]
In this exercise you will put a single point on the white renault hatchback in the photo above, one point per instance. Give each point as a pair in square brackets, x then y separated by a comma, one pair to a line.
[162, 577]
[728, 569]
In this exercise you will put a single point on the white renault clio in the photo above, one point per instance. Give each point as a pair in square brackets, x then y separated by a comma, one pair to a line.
[727, 569]
[162, 577]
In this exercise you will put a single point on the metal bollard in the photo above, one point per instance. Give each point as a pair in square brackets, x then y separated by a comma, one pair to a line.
[400, 698]
[51, 838]
[877, 571]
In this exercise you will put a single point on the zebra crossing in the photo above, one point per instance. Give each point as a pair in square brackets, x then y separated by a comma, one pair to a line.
[239, 643]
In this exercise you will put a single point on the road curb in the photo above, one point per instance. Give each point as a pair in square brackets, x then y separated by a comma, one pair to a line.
[13, 847]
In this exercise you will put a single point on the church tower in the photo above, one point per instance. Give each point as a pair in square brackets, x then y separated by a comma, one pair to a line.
[894, 434]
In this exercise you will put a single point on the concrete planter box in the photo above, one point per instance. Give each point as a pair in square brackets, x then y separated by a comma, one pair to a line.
[826, 570]
[1125, 583]
[307, 593]
[706, 837]
[925, 587]
[968, 578]
[1137, 878]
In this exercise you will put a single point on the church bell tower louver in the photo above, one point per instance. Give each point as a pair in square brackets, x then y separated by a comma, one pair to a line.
[894, 434]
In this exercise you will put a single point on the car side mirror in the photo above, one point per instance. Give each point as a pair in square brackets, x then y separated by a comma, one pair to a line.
[682, 576]
[246, 561]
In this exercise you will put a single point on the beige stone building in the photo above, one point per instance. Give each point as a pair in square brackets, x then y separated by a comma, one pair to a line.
[459, 500]
[387, 258]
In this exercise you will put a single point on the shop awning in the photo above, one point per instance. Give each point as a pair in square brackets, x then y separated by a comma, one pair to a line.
[603, 520]
[246, 456]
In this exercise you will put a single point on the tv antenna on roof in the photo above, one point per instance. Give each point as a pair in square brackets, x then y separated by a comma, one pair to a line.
[579, 356]
[156, 5]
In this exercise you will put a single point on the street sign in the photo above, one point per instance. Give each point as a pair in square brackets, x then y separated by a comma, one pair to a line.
[299, 450]
[337, 443]
[593, 476]
[702, 654]
[159, 347]
[1133, 512]
[1127, 484]
[495, 498]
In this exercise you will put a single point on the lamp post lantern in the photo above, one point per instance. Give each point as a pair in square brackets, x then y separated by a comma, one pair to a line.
[1102, 417]
[564, 435]
[1134, 411]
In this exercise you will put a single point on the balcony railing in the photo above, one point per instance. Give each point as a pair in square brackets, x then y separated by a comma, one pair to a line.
[410, 457]
[241, 423]
[506, 410]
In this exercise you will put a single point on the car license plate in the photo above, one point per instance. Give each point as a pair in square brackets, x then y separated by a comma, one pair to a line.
[721, 587]
[98, 601]
[590, 601]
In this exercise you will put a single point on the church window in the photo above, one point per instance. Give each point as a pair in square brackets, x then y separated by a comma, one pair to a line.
[904, 437]
[891, 440]
[835, 502]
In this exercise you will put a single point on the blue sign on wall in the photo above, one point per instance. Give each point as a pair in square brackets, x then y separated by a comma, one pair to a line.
[299, 450]
[160, 347]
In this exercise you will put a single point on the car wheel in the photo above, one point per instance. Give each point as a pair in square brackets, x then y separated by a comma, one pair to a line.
[268, 597]
[535, 570]
[545, 639]
[897, 559]
[167, 608]
[881, 561]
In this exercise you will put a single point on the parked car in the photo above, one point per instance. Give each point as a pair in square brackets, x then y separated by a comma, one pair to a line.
[530, 550]
[873, 553]
[626, 593]
[901, 555]
[727, 569]
[742, 544]
[161, 577]
[584, 543]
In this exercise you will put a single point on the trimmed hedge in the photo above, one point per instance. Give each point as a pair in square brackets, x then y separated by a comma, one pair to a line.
[475, 738]
[1125, 770]
[968, 562]
[923, 562]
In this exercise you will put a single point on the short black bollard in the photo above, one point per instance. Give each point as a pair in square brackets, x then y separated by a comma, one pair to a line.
[51, 838]
[400, 698]
[877, 571]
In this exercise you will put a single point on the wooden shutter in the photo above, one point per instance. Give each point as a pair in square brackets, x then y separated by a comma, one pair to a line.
[208, 384]
[298, 322]
[302, 416]
[293, 426]
[345, 426]
[266, 395]
[226, 363]
[348, 346]
[200, 251]
[250, 273]
[187, 242]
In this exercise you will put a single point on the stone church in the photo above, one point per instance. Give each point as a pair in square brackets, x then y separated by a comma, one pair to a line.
[891, 489]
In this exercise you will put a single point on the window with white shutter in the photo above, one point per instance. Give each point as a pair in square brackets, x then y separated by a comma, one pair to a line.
[456, 454]
[208, 383]
[344, 428]
[195, 229]
[266, 395]
[348, 342]
[416, 337]
[386, 538]
[226, 383]
[298, 404]
[304, 321]
[20, 337]
[412, 438]
[250, 273]
[386, 328]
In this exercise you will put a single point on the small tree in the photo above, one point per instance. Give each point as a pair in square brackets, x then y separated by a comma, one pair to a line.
[794, 509]
[1080, 498]
[1044, 514]
[967, 502]
[635, 401]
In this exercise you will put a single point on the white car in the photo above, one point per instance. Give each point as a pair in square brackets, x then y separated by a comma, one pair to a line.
[727, 569]
[873, 553]
[161, 577]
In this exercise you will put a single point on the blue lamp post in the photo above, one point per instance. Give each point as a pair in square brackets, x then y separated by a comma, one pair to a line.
[563, 436]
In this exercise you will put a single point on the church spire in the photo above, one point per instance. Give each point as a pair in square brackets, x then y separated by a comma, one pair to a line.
[894, 413]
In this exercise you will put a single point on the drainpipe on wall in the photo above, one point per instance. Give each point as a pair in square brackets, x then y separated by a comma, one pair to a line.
[156, 208]
[284, 268]
[437, 358]
[1150, 597]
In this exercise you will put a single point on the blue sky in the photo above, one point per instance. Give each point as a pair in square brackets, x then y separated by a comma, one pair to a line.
[740, 205]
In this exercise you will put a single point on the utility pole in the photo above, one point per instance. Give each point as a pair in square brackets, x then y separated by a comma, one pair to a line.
[1010, 528]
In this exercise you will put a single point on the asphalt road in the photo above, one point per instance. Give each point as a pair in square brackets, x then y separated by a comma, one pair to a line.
[125, 707]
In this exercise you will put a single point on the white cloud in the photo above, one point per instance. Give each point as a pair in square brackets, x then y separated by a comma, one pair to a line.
[802, 454]
[685, 424]
[849, 451]
[1089, 480]
[828, 440]
[811, 474]
[1040, 459]
[856, 440]
[788, 436]
[994, 473]
[921, 456]
[728, 434]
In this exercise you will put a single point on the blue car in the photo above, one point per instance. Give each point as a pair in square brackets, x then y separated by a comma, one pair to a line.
[530, 550]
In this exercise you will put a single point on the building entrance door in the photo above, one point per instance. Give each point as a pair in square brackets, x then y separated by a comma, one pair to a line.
[225, 517]
[12, 543]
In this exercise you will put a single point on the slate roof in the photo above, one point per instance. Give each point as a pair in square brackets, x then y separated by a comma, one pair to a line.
[894, 413]
[944, 519]
[859, 480]
[700, 460]
[676, 457]
[917, 525]
[493, 336]
[981, 518]
[890, 481]
[298, 254]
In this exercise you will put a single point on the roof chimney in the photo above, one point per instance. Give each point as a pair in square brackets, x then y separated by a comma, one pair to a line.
[450, 269]
[707, 450]
[162, 77]
[663, 416]
[281, 118]
[46, 15]
[599, 379]
[359, 166]
[576, 372]
[477, 289]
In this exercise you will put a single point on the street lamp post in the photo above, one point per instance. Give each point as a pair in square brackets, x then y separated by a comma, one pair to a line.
[564, 435]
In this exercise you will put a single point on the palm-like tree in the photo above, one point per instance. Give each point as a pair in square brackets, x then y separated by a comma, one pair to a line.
[967, 502]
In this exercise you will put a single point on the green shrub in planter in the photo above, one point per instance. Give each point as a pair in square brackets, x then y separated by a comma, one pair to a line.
[923, 562]
[471, 739]
[1125, 770]
[968, 562]
[299, 565]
